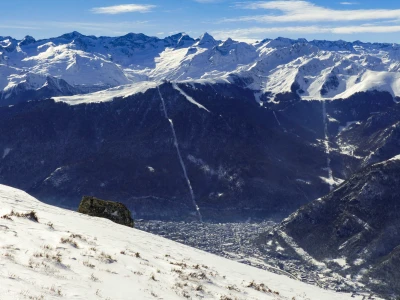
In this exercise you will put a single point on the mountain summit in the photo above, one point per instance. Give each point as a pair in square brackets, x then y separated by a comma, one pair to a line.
[207, 41]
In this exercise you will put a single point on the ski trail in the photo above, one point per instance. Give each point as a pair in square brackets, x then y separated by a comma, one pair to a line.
[279, 123]
[276, 118]
[188, 98]
[327, 148]
[180, 157]
[213, 88]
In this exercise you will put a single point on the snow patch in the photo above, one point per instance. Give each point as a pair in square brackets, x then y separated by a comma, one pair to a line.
[341, 262]
[348, 125]
[6, 152]
[397, 157]
[330, 179]
[58, 177]
[332, 182]
[358, 262]
[190, 99]
[307, 182]
[115, 214]
[123, 91]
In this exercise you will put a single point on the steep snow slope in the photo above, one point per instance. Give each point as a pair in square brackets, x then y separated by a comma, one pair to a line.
[109, 94]
[312, 69]
[76, 67]
[66, 255]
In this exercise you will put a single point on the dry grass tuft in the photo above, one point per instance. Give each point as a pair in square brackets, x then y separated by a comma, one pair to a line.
[29, 215]
[69, 241]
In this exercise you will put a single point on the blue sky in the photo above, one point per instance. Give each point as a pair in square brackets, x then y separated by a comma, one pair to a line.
[366, 20]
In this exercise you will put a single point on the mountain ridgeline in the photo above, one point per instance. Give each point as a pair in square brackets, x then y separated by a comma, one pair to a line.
[77, 64]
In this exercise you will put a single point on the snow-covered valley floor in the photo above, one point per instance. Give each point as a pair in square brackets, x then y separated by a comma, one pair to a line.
[66, 255]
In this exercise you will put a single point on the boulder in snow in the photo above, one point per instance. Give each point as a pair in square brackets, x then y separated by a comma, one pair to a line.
[114, 211]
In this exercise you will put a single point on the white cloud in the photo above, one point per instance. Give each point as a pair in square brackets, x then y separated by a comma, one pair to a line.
[208, 1]
[95, 28]
[261, 32]
[95, 25]
[349, 3]
[366, 29]
[254, 33]
[124, 8]
[304, 11]
[11, 26]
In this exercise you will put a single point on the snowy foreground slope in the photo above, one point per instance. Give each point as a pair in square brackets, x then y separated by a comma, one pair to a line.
[66, 255]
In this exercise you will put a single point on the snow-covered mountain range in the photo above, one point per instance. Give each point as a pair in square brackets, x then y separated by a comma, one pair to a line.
[76, 64]
[198, 129]
[51, 253]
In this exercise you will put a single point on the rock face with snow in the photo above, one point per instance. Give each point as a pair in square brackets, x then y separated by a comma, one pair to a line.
[84, 64]
[36, 87]
[114, 211]
[66, 255]
[201, 146]
[355, 230]
[126, 150]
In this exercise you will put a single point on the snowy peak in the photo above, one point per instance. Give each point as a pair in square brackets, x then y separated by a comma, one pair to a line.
[138, 38]
[184, 40]
[244, 51]
[27, 40]
[71, 35]
[339, 45]
[8, 44]
[227, 43]
[206, 41]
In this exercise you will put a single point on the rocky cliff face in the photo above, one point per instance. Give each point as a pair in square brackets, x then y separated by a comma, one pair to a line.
[357, 225]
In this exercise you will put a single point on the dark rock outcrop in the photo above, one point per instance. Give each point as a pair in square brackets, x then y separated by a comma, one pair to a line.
[114, 211]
